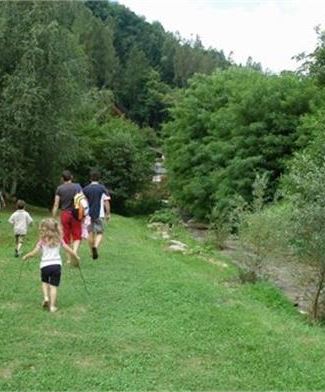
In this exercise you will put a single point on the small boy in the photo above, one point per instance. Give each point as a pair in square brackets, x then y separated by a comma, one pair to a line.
[20, 220]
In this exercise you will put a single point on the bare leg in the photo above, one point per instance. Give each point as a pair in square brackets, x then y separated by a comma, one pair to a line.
[45, 290]
[91, 240]
[98, 240]
[20, 243]
[68, 258]
[92, 246]
[53, 296]
[16, 245]
[75, 247]
[66, 237]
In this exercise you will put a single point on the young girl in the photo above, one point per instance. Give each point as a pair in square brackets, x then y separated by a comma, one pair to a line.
[49, 245]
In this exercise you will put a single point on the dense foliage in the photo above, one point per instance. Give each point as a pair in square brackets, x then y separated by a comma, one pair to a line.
[296, 225]
[86, 84]
[304, 188]
[43, 73]
[120, 150]
[54, 56]
[227, 127]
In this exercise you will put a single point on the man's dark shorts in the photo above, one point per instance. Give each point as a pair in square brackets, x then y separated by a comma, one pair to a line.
[96, 226]
[51, 274]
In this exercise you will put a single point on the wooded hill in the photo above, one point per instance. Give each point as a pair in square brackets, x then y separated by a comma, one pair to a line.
[66, 69]
[86, 84]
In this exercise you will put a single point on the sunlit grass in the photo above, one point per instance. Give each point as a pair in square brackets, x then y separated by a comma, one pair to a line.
[154, 320]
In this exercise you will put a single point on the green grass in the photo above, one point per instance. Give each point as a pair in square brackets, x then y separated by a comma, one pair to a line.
[154, 321]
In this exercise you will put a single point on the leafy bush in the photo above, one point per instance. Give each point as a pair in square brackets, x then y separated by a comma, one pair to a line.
[119, 149]
[264, 234]
[227, 127]
[167, 215]
[150, 200]
[305, 188]
[219, 229]
[263, 230]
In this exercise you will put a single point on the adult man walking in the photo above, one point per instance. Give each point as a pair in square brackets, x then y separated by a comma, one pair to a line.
[99, 208]
[64, 199]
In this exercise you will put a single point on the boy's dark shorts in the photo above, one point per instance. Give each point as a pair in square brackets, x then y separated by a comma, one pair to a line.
[51, 275]
[96, 226]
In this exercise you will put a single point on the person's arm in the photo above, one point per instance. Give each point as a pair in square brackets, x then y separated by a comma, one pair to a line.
[11, 219]
[29, 219]
[106, 198]
[107, 208]
[70, 251]
[56, 205]
[32, 253]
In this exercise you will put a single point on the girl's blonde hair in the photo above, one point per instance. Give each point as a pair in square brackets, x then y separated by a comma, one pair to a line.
[50, 232]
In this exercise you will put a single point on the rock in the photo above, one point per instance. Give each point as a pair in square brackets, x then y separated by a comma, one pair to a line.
[217, 262]
[165, 235]
[196, 225]
[156, 225]
[177, 246]
[178, 243]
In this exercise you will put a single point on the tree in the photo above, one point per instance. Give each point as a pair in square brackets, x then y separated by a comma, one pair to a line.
[304, 188]
[97, 38]
[40, 87]
[132, 83]
[191, 57]
[314, 63]
[120, 150]
[227, 127]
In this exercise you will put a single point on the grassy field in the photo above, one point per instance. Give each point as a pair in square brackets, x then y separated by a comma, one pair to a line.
[154, 320]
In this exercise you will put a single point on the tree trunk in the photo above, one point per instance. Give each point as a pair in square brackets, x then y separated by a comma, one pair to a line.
[13, 188]
[317, 295]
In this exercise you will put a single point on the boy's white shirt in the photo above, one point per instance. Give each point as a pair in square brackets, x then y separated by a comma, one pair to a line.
[104, 198]
[84, 203]
[102, 205]
[20, 219]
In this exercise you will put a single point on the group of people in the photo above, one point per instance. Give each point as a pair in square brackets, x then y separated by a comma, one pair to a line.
[66, 234]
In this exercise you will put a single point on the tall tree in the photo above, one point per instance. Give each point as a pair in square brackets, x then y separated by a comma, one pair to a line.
[40, 85]
[97, 39]
[132, 82]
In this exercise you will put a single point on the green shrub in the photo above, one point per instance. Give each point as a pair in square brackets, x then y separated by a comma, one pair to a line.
[263, 229]
[265, 233]
[154, 197]
[167, 215]
[305, 188]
